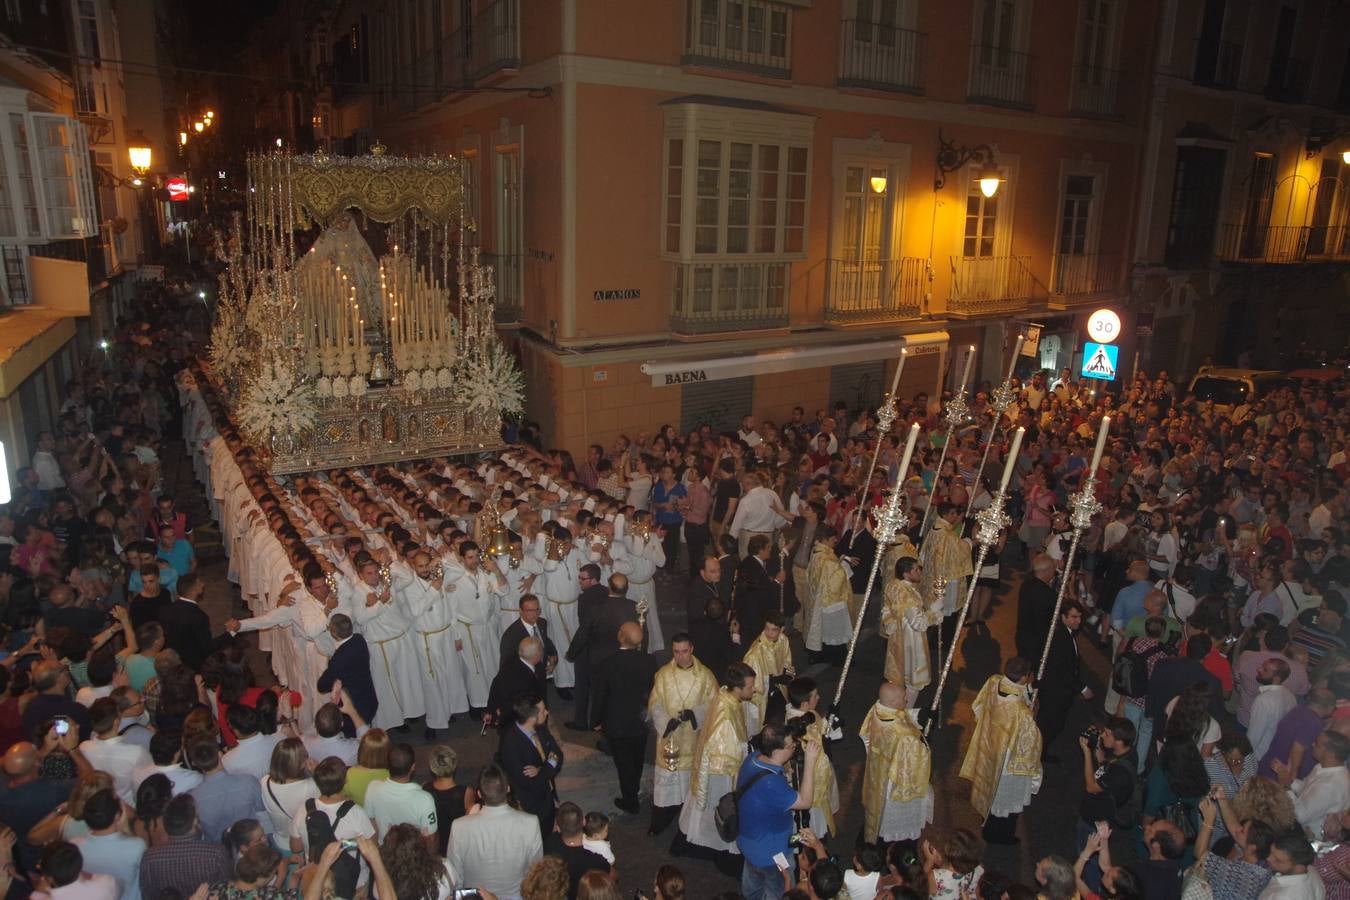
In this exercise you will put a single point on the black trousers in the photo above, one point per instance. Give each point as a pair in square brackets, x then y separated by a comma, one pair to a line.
[581, 692]
[629, 754]
[671, 544]
[1001, 829]
[696, 537]
[1051, 717]
[662, 816]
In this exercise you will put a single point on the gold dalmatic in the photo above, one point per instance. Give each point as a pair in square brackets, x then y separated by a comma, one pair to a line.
[945, 557]
[898, 766]
[1005, 740]
[720, 748]
[906, 642]
[767, 658]
[826, 788]
[676, 689]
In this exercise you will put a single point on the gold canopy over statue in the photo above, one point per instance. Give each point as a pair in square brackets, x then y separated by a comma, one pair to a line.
[334, 355]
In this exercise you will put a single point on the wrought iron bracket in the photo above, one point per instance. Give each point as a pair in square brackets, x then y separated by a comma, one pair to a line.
[951, 157]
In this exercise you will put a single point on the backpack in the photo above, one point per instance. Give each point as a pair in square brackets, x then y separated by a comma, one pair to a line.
[727, 814]
[322, 831]
[1129, 673]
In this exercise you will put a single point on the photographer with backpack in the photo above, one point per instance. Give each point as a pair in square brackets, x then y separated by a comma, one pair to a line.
[1109, 780]
[1130, 675]
[332, 817]
[765, 801]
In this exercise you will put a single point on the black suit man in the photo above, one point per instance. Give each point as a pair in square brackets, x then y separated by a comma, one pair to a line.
[187, 627]
[532, 760]
[622, 685]
[1035, 609]
[706, 586]
[1063, 680]
[596, 640]
[757, 589]
[592, 597]
[860, 551]
[350, 665]
[529, 624]
[522, 672]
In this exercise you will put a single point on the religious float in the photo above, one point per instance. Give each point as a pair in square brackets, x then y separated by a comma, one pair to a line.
[355, 321]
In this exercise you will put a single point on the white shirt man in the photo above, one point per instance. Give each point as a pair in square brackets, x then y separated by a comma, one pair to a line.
[183, 780]
[1272, 701]
[111, 754]
[252, 755]
[398, 800]
[494, 847]
[1326, 790]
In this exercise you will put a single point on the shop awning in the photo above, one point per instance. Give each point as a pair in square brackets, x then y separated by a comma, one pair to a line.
[791, 359]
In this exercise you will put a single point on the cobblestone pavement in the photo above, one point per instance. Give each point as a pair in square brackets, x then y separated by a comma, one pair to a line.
[588, 777]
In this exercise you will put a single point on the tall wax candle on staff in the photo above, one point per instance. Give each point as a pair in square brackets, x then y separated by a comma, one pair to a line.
[965, 376]
[1101, 445]
[909, 454]
[1017, 351]
[899, 367]
[1012, 459]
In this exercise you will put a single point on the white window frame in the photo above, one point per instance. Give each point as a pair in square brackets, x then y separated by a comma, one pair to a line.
[696, 122]
[1111, 59]
[77, 166]
[1092, 239]
[742, 55]
[508, 160]
[1021, 30]
[871, 154]
[1008, 167]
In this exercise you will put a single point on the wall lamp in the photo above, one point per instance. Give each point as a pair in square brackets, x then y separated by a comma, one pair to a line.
[951, 157]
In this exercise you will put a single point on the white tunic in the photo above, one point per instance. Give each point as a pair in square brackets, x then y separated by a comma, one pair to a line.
[476, 613]
[307, 622]
[393, 656]
[639, 559]
[432, 612]
[560, 590]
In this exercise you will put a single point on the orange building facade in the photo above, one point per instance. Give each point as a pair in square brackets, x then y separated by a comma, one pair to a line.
[700, 209]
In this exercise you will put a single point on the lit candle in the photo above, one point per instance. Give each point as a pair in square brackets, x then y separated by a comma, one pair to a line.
[899, 367]
[1017, 351]
[1101, 445]
[909, 452]
[1012, 458]
[965, 376]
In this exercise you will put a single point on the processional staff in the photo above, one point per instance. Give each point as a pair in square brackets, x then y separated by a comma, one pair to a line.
[992, 522]
[956, 413]
[1085, 506]
[890, 522]
[886, 414]
[1002, 398]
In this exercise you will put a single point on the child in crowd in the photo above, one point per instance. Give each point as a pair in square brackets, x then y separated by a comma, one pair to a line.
[861, 880]
[595, 836]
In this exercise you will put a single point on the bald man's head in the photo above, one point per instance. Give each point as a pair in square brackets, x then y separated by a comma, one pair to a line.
[531, 649]
[1044, 567]
[20, 760]
[618, 584]
[891, 695]
[630, 635]
[47, 675]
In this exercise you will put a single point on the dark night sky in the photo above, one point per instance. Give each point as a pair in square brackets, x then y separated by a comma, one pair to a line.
[216, 31]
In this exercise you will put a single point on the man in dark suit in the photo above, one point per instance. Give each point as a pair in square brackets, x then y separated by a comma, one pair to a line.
[350, 666]
[712, 639]
[591, 598]
[706, 586]
[532, 760]
[858, 546]
[1035, 608]
[522, 672]
[1062, 681]
[757, 589]
[622, 684]
[597, 640]
[529, 624]
[187, 627]
[729, 559]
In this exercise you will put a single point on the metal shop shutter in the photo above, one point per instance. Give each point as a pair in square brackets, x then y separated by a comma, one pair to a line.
[858, 384]
[722, 404]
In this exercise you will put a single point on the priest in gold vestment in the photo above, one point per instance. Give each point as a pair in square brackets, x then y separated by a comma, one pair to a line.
[718, 753]
[905, 619]
[830, 593]
[804, 704]
[896, 795]
[1003, 762]
[946, 559]
[771, 657]
[679, 703]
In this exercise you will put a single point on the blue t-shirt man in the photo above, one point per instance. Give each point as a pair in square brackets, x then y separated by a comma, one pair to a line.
[180, 556]
[765, 811]
[1130, 599]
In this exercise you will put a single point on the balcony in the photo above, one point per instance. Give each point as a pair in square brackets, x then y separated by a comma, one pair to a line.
[1000, 77]
[875, 290]
[881, 57]
[987, 285]
[489, 43]
[1079, 276]
[750, 36]
[1218, 64]
[1288, 81]
[710, 297]
[1094, 92]
[1283, 244]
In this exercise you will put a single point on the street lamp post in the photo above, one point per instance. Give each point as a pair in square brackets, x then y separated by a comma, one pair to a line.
[141, 156]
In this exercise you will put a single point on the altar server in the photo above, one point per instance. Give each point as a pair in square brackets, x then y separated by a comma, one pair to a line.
[477, 587]
[430, 606]
[562, 565]
[1003, 762]
[380, 617]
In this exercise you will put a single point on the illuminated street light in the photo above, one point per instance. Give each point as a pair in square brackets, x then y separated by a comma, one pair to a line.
[989, 179]
[182, 138]
[140, 153]
[951, 157]
[878, 183]
[199, 127]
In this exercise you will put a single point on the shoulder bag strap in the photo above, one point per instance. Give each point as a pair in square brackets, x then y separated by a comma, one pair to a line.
[741, 791]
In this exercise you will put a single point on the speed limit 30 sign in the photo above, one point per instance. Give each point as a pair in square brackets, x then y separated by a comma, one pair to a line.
[1103, 326]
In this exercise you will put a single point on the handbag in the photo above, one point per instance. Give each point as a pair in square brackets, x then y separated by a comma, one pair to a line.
[727, 814]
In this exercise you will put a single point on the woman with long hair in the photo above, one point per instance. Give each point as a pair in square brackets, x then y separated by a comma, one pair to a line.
[1177, 781]
[593, 886]
[1190, 711]
[547, 879]
[669, 884]
[152, 797]
[66, 822]
[418, 874]
[286, 787]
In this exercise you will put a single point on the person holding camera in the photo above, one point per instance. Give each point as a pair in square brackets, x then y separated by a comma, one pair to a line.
[765, 810]
[1108, 777]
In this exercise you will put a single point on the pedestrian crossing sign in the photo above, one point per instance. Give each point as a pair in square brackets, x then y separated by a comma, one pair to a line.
[1099, 360]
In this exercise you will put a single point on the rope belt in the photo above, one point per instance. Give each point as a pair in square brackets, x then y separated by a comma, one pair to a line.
[562, 621]
[477, 659]
[426, 643]
[388, 672]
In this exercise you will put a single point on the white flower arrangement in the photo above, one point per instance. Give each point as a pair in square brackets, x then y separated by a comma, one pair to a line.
[339, 388]
[324, 387]
[358, 386]
[412, 381]
[444, 378]
[494, 383]
[276, 402]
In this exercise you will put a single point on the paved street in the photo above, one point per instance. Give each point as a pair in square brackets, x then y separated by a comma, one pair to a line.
[588, 777]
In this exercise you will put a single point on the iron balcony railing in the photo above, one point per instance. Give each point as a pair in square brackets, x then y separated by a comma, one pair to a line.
[881, 57]
[1283, 244]
[1218, 63]
[875, 290]
[1083, 274]
[1000, 76]
[1095, 92]
[489, 43]
[749, 36]
[726, 296]
[990, 284]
